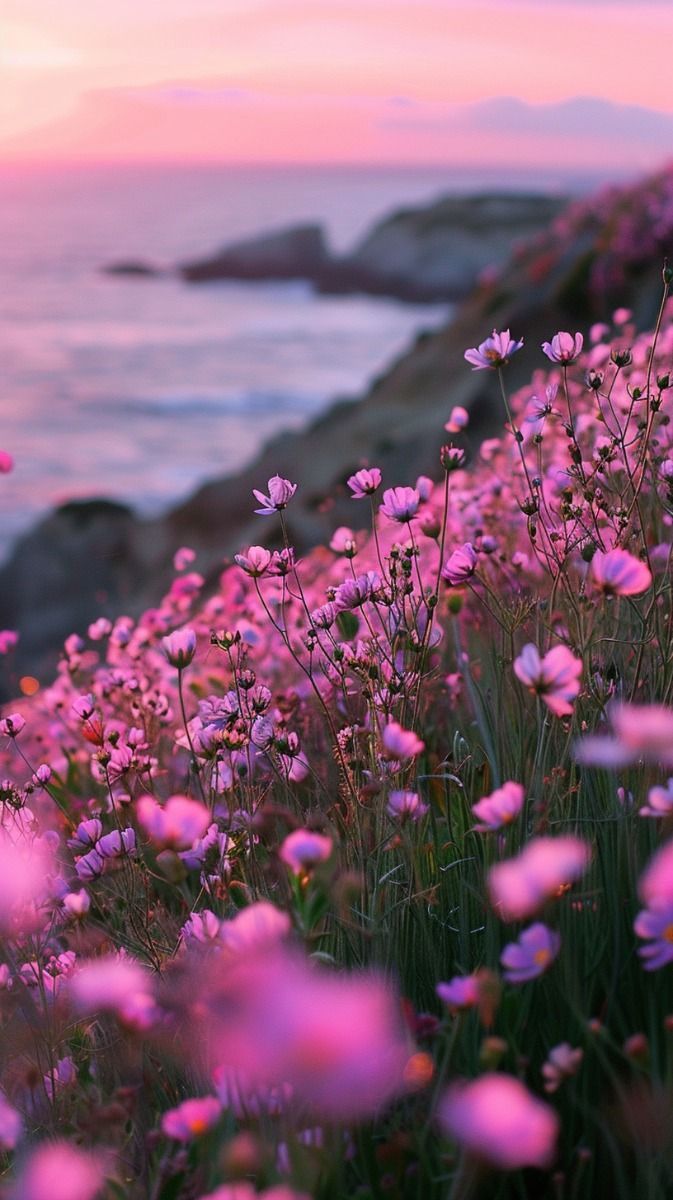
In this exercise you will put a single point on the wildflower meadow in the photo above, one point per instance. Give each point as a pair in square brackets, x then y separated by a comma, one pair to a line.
[352, 876]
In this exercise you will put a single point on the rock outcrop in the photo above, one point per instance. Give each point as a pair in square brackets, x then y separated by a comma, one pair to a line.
[419, 255]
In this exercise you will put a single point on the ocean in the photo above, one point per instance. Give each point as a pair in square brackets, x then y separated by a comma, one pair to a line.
[140, 389]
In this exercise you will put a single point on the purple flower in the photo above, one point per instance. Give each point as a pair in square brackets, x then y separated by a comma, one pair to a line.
[12, 725]
[281, 492]
[364, 483]
[401, 743]
[534, 952]
[303, 849]
[556, 677]
[500, 808]
[618, 573]
[461, 992]
[564, 347]
[400, 504]
[495, 352]
[191, 1119]
[656, 924]
[498, 1120]
[460, 565]
[659, 801]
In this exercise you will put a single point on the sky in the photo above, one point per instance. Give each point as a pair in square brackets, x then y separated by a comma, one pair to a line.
[374, 81]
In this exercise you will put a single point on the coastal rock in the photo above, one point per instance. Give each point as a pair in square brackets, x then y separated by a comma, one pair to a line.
[419, 255]
[133, 266]
[298, 252]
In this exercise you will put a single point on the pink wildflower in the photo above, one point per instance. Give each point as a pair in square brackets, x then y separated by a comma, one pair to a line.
[12, 725]
[643, 733]
[461, 992]
[281, 492]
[364, 483]
[521, 885]
[175, 825]
[500, 808]
[191, 1119]
[8, 640]
[656, 924]
[555, 678]
[183, 558]
[459, 419]
[656, 883]
[6, 462]
[563, 1061]
[59, 1171]
[11, 1125]
[401, 743]
[495, 352]
[179, 647]
[254, 562]
[406, 806]
[618, 573]
[400, 504]
[564, 347]
[460, 566]
[343, 541]
[531, 955]
[659, 801]
[108, 984]
[498, 1120]
[260, 926]
[303, 849]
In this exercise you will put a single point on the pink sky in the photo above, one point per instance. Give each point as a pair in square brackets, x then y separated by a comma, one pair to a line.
[344, 80]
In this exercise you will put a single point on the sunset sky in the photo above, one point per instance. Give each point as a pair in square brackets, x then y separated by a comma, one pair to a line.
[524, 81]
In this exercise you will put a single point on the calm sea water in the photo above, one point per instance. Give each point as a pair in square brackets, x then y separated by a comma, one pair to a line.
[139, 389]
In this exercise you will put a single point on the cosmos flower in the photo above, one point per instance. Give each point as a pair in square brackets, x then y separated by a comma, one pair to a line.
[500, 808]
[618, 573]
[555, 678]
[498, 1120]
[520, 886]
[531, 955]
[281, 492]
[400, 504]
[495, 352]
[364, 483]
[191, 1119]
[564, 347]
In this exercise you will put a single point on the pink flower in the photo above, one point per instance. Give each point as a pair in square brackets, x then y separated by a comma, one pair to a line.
[460, 565]
[555, 678]
[521, 885]
[59, 1171]
[495, 352]
[406, 806]
[618, 573]
[497, 1119]
[6, 462]
[659, 801]
[343, 540]
[562, 1062]
[183, 558]
[401, 743]
[656, 924]
[459, 419]
[8, 640]
[500, 808]
[11, 1125]
[191, 1119]
[364, 483]
[303, 849]
[461, 992]
[255, 562]
[531, 955]
[564, 347]
[108, 984]
[281, 492]
[643, 733]
[175, 825]
[260, 926]
[179, 647]
[400, 504]
[12, 725]
[656, 883]
[77, 904]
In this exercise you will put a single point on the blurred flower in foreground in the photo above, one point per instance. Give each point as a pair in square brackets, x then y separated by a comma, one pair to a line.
[494, 352]
[619, 573]
[338, 1040]
[303, 849]
[175, 825]
[531, 955]
[659, 801]
[498, 1120]
[191, 1119]
[519, 886]
[59, 1171]
[642, 733]
[555, 678]
[6, 462]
